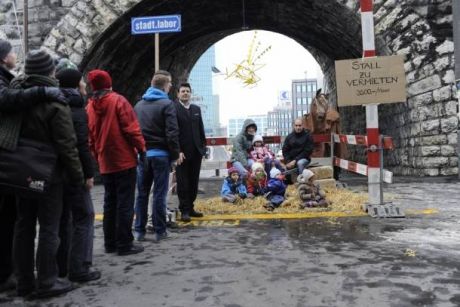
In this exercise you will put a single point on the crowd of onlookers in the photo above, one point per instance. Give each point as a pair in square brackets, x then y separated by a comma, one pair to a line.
[47, 104]
[134, 147]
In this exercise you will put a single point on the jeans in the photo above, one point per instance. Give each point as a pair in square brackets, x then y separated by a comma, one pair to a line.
[158, 173]
[302, 164]
[47, 210]
[75, 254]
[119, 209]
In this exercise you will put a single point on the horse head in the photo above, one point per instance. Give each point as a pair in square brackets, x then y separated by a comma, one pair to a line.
[320, 105]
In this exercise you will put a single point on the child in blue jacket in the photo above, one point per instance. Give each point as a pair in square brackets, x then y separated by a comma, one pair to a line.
[233, 187]
[275, 190]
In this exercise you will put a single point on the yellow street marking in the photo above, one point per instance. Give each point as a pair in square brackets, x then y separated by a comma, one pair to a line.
[99, 217]
[211, 223]
[426, 211]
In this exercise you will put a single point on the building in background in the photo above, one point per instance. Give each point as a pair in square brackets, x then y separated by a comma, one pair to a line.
[201, 81]
[303, 91]
[236, 124]
[280, 120]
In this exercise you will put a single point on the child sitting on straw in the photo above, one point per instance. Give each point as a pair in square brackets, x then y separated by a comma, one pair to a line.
[275, 189]
[257, 180]
[233, 187]
[310, 193]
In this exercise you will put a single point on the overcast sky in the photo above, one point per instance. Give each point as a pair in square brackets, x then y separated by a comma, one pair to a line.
[285, 61]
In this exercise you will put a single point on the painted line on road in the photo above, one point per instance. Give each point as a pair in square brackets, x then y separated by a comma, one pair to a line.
[300, 215]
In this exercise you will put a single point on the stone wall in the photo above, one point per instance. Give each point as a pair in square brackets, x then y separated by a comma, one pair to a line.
[425, 127]
[43, 16]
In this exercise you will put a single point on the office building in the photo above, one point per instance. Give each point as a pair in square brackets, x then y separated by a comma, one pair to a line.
[201, 82]
[303, 91]
[236, 124]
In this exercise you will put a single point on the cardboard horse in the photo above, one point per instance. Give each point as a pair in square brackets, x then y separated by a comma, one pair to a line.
[324, 119]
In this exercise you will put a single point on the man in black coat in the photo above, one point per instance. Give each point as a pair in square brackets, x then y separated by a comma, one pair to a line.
[192, 142]
[298, 147]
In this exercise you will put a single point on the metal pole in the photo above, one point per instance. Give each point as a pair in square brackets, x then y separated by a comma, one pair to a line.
[456, 25]
[26, 26]
[372, 113]
[157, 52]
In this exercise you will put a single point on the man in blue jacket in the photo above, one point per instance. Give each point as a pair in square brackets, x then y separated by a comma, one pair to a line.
[158, 120]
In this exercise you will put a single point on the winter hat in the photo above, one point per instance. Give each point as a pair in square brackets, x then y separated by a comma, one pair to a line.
[255, 166]
[257, 138]
[39, 62]
[65, 64]
[5, 49]
[232, 170]
[307, 174]
[69, 78]
[99, 80]
[274, 172]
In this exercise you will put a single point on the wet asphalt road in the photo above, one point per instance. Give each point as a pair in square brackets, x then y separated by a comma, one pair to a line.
[310, 262]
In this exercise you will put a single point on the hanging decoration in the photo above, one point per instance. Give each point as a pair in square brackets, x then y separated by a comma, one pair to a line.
[246, 69]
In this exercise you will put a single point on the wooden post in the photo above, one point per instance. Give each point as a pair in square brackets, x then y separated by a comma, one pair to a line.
[26, 26]
[157, 52]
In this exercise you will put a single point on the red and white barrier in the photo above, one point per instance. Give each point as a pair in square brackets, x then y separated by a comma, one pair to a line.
[362, 169]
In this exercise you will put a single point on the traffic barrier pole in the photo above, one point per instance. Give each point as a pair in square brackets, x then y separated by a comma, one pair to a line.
[372, 114]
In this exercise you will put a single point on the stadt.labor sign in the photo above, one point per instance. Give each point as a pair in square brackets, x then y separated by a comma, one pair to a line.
[370, 80]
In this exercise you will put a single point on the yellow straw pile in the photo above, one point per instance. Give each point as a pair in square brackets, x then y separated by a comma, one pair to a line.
[342, 201]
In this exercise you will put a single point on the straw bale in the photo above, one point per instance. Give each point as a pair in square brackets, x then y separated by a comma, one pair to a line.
[326, 183]
[322, 172]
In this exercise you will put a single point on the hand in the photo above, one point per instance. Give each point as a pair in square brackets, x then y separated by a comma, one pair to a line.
[181, 158]
[54, 94]
[89, 183]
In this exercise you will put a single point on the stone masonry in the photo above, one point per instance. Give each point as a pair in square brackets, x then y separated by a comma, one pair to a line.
[96, 33]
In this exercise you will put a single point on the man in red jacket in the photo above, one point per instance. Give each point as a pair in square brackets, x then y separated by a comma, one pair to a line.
[115, 139]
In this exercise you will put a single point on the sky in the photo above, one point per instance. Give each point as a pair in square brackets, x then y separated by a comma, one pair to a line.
[285, 61]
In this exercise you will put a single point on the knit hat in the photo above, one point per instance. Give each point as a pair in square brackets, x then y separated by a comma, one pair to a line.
[274, 172]
[5, 49]
[257, 138]
[39, 62]
[65, 64]
[232, 170]
[69, 78]
[256, 165]
[307, 174]
[99, 80]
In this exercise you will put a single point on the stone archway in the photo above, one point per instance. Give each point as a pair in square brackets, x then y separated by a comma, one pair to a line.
[97, 33]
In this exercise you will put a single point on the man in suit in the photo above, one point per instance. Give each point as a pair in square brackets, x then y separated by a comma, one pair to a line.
[192, 142]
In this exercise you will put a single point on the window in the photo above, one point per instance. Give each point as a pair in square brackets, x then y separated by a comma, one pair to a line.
[304, 88]
[298, 88]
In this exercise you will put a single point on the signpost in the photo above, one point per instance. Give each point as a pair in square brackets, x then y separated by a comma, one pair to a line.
[156, 25]
[371, 80]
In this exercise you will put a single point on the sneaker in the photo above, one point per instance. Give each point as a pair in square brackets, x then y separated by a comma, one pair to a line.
[60, 286]
[139, 236]
[89, 276]
[185, 217]
[164, 236]
[196, 214]
[134, 249]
